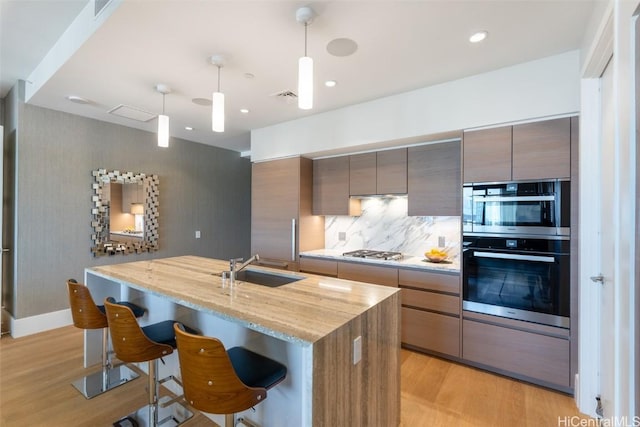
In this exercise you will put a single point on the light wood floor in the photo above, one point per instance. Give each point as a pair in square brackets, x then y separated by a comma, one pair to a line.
[36, 374]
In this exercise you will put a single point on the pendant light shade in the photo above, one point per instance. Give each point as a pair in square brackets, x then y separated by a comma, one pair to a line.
[163, 119]
[304, 15]
[305, 83]
[217, 99]
[163, 131]
[217, 112]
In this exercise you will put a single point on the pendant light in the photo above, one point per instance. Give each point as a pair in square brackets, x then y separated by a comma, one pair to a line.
[163, 120]
[304, 15]
[217, 99]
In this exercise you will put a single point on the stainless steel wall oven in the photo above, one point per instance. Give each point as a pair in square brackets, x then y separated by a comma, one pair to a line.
[518, 278]
[517, 208]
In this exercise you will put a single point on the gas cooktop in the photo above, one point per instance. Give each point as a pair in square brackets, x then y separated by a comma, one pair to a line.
[367, 253]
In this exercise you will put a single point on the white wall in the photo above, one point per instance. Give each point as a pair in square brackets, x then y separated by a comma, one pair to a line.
[545, 87]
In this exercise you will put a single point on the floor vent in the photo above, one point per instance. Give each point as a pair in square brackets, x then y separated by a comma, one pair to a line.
[132, 113]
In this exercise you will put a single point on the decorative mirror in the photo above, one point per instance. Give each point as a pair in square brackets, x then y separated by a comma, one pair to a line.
[124, 212]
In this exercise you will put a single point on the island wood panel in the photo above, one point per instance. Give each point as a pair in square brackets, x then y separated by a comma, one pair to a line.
[362, 174]
[434, 181]
[542, 150]
[391, 176]
[536, 356]
[487, 155]
[366, 393]
[319, 266]
[431, 301]
[331, 187]
[439, 282]
[431, 331]
[386, 276]
[275, 195]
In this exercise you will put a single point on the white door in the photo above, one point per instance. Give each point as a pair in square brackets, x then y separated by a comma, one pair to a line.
[606, 242]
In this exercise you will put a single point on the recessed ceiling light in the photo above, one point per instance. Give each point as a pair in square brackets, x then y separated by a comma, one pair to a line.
[78, 99]
[478, 37]
[202, 101]
[188, 128]
[330, 83]
[244, 110]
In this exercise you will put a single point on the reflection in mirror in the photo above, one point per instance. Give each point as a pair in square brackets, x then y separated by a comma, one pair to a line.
[124, 212]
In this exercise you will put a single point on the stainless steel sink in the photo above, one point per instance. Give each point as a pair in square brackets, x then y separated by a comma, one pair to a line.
[272, 280]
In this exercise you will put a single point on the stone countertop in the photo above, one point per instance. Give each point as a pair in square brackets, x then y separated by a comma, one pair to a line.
[304, 311]
[418, 263]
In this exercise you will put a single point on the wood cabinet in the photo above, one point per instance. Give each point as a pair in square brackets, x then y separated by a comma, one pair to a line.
[386, 276]
[331, 187]
[534, 356]
[434, 182]
[542, 150]
[539, 150]
[382, 172]
[430, 311]
[325, 267]
[131, 193]
[281, 221]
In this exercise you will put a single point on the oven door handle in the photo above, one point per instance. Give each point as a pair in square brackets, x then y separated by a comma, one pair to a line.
[514, 199]
[518, 257]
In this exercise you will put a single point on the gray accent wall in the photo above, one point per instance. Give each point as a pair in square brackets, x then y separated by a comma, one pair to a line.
[201, 188]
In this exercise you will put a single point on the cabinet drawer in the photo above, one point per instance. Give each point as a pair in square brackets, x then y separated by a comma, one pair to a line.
[431, 331]
[537, 356]
[439, 282]
[431, 301]
[319, 266]
[368, 273]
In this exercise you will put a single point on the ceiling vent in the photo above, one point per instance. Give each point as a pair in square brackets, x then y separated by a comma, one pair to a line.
[132, 113]
[286, 96]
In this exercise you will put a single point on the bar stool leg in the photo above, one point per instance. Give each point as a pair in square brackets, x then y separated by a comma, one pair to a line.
[109, 376]
[228, 420]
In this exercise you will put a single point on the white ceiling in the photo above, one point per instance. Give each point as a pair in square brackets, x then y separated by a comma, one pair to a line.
[402, 45]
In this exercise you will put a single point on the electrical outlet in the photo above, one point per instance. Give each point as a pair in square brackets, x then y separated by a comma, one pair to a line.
[342, 236]
[197, 234]
[441, 241]
[357, 349]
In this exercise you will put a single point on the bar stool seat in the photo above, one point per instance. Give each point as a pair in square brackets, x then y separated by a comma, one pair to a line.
[87, 315]
[218, 381]
[134, 344]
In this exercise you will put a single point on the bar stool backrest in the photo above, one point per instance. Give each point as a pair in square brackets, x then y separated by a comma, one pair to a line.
[129, 342]
[84, 311]
[210, 383]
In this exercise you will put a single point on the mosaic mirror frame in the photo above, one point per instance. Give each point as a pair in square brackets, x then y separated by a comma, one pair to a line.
[102, 243]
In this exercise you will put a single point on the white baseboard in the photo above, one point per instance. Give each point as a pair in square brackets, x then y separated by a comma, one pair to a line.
[40, 323]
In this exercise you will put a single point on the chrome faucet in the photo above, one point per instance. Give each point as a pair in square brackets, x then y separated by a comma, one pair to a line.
[235, 268]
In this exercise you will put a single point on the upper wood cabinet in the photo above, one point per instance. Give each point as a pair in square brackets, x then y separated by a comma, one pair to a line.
[539, 150]
[542, 149]
[487, 155]
[281, 220]
[382, 172]
[331, 187]
[434, 180]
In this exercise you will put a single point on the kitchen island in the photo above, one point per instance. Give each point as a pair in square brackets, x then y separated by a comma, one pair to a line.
[339, 339]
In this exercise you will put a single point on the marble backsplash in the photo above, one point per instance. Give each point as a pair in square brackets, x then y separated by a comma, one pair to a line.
[384, 225]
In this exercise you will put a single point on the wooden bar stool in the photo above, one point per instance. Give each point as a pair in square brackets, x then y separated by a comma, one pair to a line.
[218, 381]
[135, 344]
[87, 315]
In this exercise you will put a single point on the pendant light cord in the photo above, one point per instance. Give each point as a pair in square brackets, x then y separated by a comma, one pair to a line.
[306, 24]
[218, 78]
[163, 103]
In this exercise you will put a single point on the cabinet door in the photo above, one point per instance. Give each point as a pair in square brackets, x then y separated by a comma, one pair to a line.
[391, 177]
[362, 174]
[542, 150]
[537, 356]
[386, 276]
[331, 187]
[431, 331]
[487, 155]
[434, 179]
[275, 196]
